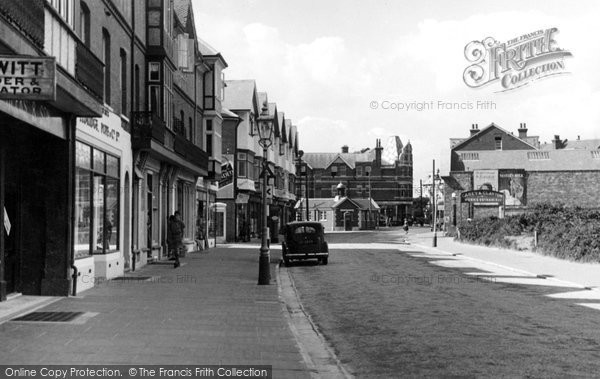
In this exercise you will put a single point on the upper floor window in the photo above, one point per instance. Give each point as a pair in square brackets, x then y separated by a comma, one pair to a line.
[123, 82]
[154, 71]
[107, 67]
[359, 171]
[84, 23]
[342, 170]
[64, 8]
[498, 143]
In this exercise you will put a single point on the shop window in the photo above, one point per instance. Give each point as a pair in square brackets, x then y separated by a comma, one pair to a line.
[83, 200]
[97, 202]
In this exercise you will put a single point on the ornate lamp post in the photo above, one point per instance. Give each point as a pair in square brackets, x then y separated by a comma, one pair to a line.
[454, 209]
[265, 134]
[434, 204]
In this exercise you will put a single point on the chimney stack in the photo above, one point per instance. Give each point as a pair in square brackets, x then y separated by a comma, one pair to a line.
[522, 130]
[474, 129]
[378, 150]
[557, 142]
[345, 149]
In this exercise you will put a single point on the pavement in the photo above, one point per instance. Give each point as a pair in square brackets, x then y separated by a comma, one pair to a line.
[584, 275]
[208, 311]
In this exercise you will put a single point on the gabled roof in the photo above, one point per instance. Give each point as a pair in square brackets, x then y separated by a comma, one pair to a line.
[182, 8]
[317, 203]
[282, 125]
[208, 51]
[241, 95]
[226, 113]
[293, 130]
[487, 129]
[273, 112]
[324, 160]
[362, 204]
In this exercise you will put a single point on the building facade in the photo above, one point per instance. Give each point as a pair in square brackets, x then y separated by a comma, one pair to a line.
[117, 119]
[60, 79]
[517, 171]
[241, 185]
[384, 174]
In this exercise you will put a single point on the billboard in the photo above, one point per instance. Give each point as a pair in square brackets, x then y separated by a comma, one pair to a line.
[513, 184]
[485, 180]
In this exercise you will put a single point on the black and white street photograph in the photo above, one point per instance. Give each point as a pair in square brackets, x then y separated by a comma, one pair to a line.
[299, 189]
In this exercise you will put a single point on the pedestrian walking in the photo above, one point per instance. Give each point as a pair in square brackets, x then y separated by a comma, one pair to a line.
[406, 226]
[176, 227]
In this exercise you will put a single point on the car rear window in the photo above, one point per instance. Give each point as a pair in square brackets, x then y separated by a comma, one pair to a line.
[305, 230]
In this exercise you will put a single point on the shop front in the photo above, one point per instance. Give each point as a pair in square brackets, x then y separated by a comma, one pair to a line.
[102, 199]
[34, 201]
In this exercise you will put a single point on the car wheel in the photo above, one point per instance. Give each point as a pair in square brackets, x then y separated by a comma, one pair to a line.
[324, 260]
[286, 260]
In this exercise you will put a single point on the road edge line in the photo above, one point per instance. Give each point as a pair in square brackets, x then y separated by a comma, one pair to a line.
[517, 270]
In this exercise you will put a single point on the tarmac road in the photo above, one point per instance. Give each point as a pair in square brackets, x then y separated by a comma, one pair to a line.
[388, 313]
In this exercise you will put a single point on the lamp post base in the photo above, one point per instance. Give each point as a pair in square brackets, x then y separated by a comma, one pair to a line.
[434, 239]
[264, 267]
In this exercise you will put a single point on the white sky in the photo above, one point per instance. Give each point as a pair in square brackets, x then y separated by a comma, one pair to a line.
[324, 62]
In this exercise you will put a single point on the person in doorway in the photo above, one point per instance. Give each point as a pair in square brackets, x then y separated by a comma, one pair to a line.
[405, 226]
[176, 227]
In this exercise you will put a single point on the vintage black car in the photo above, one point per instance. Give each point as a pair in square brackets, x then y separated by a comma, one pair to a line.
[304, 240]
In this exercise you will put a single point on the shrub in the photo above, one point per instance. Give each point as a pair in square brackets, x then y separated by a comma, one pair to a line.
[565, 232]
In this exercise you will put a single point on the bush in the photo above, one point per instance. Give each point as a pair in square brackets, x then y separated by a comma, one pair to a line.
[566, 232]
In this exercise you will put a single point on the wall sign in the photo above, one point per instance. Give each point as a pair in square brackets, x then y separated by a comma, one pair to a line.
[482, 197]
[514, 186]
[27, 78]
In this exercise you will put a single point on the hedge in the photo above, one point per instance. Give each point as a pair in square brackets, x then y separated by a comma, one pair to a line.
[565, 232]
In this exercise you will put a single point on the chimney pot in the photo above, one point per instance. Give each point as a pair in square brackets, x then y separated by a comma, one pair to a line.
[345, 149]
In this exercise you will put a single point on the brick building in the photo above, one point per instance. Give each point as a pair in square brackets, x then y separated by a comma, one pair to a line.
[522, 170]
[383, 173]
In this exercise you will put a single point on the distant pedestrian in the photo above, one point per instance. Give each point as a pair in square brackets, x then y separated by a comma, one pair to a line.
[176, 227]
[406, 226]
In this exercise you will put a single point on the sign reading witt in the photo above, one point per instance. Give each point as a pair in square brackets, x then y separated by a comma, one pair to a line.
[27, 78]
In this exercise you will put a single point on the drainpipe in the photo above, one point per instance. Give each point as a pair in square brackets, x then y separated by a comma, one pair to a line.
[71, 198]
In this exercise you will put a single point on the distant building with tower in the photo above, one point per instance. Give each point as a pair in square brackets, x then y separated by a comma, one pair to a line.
[382, 174]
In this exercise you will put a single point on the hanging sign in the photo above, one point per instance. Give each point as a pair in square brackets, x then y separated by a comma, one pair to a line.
[27, 78]
[6, 222]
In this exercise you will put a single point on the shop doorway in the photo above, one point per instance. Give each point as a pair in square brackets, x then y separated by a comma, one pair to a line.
[11, 251]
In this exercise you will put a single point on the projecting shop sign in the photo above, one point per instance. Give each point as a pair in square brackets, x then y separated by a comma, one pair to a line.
[27, 78]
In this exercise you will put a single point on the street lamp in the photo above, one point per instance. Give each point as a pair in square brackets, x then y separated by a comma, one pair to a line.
[265, 134]
[454, 209]
[434, 202]
[300, 155]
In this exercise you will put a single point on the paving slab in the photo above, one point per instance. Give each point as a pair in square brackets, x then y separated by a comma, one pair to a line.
[209, 311]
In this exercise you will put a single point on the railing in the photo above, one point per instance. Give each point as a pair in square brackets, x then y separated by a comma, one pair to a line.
[28, 16]
[89, 70]
[191, 152]
[147, 126]
[179, 127]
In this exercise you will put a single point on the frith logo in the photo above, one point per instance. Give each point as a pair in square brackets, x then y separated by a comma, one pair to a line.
[515, 63]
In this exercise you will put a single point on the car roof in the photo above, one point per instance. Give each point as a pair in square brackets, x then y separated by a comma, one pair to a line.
[304, 223]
